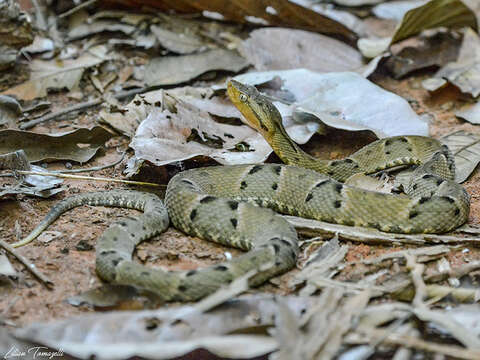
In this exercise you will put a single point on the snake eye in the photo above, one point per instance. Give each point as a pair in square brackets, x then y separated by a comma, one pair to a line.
[243, 98]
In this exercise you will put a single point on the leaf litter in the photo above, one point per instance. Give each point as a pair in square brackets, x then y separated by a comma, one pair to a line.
[344, 273]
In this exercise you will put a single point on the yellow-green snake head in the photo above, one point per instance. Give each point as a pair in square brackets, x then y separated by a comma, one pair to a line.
[260, 113]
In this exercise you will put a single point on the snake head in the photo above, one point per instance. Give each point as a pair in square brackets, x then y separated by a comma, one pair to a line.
[259, 112]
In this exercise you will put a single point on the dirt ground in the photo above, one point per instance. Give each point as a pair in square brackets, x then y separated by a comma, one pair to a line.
[69, 261]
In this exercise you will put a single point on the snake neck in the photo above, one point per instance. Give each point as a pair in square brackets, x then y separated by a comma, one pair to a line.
[290, 153]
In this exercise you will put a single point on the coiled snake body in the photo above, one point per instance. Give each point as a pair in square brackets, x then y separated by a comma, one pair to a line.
[236, 205]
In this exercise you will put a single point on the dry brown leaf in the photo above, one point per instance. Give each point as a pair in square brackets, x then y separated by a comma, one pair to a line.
[89, 28]
[465, 71]
[273, 12]
[171, 70]
[179, 43]
[165, 137]
[56, 74]
[79, 145]
[281, 49]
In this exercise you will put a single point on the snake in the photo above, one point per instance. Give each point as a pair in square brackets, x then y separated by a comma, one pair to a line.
[238, 205]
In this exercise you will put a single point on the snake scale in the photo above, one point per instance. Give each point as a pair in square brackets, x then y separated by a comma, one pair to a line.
[236, 205]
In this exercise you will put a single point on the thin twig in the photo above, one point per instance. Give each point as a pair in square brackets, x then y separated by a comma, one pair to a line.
[76, 8]
[79, 177]
[82, 106]
[416, 272]
[30, 267]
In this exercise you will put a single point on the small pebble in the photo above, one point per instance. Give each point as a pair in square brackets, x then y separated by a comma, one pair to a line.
[68, 165]
[83, 245]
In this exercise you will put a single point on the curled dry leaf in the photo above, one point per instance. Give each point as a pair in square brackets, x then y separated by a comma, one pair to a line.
[171, 70]
[89, 28]
[466, 149]
[437, 50]
[79, 145]
[435, 13]
[273, 12]
[165, 137]
[40, 44]
[56, 74]
[34, 185]
[126, 119]
[281, 49]
[167, 333]
[10, 110]
[465, 71]
[350, 102]
[179, 43]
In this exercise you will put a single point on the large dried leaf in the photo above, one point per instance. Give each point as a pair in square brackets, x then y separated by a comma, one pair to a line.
[171, 70]
[435, 13]
[466, 148]
[281, 49]
[165, 137]
[350, 102]
[169, 332]
[126, 119]
[273, 12]
[179, 43]
[79, 145]
[56, 74]
[465, 71]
